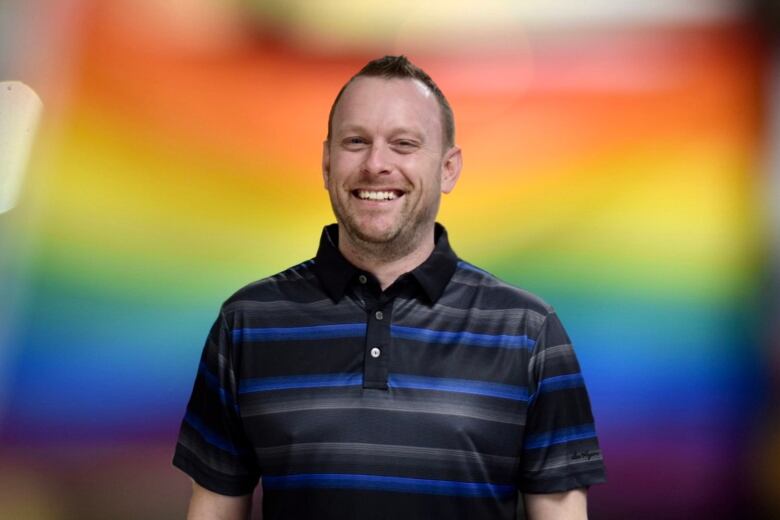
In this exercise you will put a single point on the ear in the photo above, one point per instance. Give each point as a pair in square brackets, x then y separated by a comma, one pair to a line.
[450, 169]
[325, 163]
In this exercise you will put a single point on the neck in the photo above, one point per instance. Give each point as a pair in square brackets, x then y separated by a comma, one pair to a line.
[386, 261]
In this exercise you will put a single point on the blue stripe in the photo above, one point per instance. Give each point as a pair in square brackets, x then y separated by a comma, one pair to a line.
[345, 330]
[209, 436]
[265, 384]
[213, 382]
[469, 267]
[561, 382]
[546, 439]
[464, 386]
[467, 338]
[383, 483]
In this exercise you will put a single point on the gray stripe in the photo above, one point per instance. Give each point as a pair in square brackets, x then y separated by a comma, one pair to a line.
[216, 356]
[561, 461]
[396, 405]
[324, 305]
[224, 367]
[472, 278]
[551, 355]
[472, 275]
[385, 450]
[474, 281]
[490, 321]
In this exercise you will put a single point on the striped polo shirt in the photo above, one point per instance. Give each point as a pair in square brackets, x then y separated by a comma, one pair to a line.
[441, 397]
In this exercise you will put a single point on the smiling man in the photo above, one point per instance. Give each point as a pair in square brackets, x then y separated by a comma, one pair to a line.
[387, 378]
[388, 157]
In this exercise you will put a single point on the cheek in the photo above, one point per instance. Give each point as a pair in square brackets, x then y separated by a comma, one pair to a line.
[428, 178]
[335, 175]
[341, 167]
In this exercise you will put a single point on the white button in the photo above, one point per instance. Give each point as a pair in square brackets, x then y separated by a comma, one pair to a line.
[379, 315]
[362, 278]
[375, 352]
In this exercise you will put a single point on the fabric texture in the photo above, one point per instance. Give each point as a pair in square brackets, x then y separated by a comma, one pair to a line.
[443, 396]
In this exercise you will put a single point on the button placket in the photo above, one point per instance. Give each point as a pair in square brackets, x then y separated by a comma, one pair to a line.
[379, 315]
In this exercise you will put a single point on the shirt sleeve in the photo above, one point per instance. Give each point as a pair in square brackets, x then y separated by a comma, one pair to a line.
[212, 447]
[560, 448]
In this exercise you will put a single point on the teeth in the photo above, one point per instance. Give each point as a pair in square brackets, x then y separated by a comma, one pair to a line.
[376, 195]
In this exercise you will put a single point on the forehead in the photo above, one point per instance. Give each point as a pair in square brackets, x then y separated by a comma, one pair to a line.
[376, 102]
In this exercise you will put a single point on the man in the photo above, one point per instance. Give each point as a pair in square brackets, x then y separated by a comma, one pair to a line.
[386, 378]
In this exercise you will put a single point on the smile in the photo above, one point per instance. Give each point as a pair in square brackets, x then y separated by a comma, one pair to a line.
[377, 194]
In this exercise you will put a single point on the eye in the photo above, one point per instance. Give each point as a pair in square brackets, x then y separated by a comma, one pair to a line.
[353, 141]
[406, 145]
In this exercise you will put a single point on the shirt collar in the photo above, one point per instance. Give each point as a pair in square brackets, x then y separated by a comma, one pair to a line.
[335, 272]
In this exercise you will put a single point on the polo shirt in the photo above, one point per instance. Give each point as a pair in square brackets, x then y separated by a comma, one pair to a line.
[443, 396]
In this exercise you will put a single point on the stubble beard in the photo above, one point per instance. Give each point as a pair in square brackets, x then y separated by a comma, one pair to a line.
[398, 242]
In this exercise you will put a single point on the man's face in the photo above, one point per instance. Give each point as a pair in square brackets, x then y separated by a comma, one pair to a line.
[386, 165]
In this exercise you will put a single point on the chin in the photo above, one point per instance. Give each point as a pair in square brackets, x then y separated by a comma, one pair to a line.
[376, 236]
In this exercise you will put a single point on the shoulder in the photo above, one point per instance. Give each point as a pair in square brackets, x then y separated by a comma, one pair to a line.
[487, 290]
[296, 283]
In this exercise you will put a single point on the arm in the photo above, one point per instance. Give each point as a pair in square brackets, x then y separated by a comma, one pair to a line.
[207, 505]
[568, 505]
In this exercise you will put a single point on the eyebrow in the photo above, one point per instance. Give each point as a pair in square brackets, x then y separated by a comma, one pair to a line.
[413, 132]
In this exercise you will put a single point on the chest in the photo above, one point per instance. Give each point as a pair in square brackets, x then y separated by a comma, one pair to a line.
[382, 386]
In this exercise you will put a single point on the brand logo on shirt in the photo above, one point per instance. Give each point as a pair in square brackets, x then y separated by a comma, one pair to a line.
[587, 455]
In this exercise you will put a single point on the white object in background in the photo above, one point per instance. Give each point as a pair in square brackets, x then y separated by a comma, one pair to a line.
[20, 111]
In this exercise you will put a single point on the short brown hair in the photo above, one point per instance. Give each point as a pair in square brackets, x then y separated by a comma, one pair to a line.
[392, 67]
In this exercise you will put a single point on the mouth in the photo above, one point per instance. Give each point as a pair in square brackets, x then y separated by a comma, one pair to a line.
[377, 195]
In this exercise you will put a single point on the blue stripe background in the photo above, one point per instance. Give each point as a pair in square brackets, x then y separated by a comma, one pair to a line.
[209, 436]
[465, 386]
[561, 382]
[462, 337]
[469, 267]
[265, 384]
[575, 433]
[345, 330]
[350, 330]
[386, 483]
[213, 382]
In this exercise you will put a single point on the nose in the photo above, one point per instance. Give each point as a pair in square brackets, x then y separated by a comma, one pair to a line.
[377, 160]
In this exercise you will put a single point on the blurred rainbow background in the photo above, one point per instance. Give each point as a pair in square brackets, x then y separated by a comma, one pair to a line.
[621, 160]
